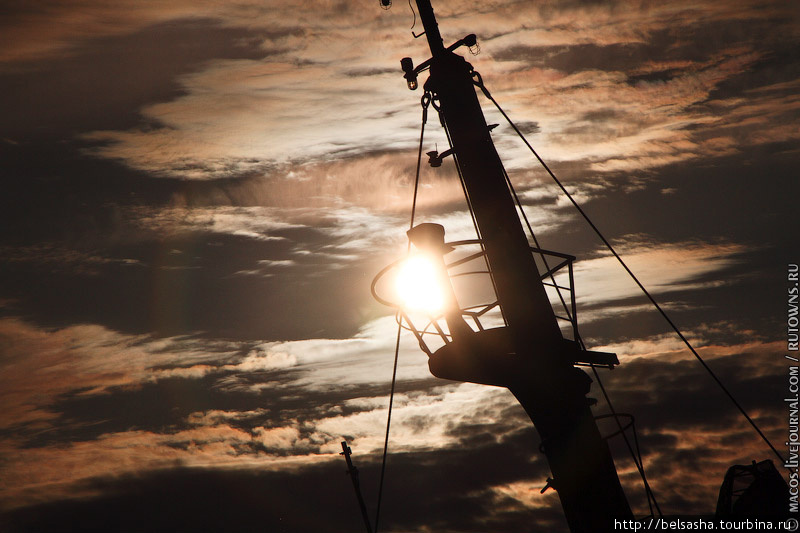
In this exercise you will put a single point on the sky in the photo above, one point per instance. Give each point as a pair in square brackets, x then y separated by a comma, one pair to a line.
[197, 196]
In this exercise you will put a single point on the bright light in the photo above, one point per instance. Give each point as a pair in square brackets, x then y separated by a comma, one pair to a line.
[417, 286]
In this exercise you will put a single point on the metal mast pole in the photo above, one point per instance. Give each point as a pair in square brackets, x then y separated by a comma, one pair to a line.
[551, 390]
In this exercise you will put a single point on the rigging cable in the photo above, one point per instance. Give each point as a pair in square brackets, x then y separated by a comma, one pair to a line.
[415, 18]
[479, 83]
[426, 99]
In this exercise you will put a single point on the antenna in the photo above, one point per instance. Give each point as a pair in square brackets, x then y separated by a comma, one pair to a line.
[352, 471]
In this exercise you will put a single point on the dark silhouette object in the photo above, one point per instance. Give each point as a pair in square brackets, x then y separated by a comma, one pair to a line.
[540, 374]
[753, 491]
[352, 471]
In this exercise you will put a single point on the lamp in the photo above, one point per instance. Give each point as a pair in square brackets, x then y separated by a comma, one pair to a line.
[407, 64]
[418, 285]
[472, 43]
[429, 239]
[435, 158]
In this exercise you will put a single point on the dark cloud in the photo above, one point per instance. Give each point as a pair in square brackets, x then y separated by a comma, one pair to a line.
[445, 496]
[104, 83]
[580, 57]
[52, 193]
[180, 500]
[778, 65]
[196, 276]
[171, 405]
[528, 127]
[373, 72]
[694, 44]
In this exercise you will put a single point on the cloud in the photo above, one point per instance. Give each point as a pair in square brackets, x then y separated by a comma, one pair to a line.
[261, 223]
[690, 427]
[57, 28]
[261, 359]
[288, 148]
[41, 365]
[660, 267]
[242, 116]
[59, 258]
[93, 364]
[307, 396]
[645, 125]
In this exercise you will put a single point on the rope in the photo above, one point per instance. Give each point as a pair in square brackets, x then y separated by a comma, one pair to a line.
[426, 99]
[479, 83]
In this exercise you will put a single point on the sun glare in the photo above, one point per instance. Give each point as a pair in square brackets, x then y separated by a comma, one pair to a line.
[417, 286]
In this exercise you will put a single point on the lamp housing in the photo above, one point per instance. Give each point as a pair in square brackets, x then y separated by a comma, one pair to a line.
[407, 64]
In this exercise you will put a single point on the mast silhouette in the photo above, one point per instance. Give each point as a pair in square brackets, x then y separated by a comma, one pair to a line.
[540, 371]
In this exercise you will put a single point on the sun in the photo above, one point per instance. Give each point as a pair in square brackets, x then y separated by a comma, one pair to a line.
[417, 286]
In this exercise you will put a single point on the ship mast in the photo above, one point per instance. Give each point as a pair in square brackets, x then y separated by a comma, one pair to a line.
[541, 376]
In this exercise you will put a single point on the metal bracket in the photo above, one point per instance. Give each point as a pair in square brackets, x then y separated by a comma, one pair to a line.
[435, 158]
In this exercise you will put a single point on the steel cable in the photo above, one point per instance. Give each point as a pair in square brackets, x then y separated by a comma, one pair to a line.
[425, 102]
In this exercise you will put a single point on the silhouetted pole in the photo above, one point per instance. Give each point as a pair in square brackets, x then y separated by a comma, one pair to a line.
[547, 385]
[353, 472]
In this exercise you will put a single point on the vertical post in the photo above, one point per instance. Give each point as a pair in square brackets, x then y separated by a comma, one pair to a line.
[551, 390]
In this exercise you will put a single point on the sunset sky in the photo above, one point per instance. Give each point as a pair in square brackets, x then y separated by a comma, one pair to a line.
[198, 194]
